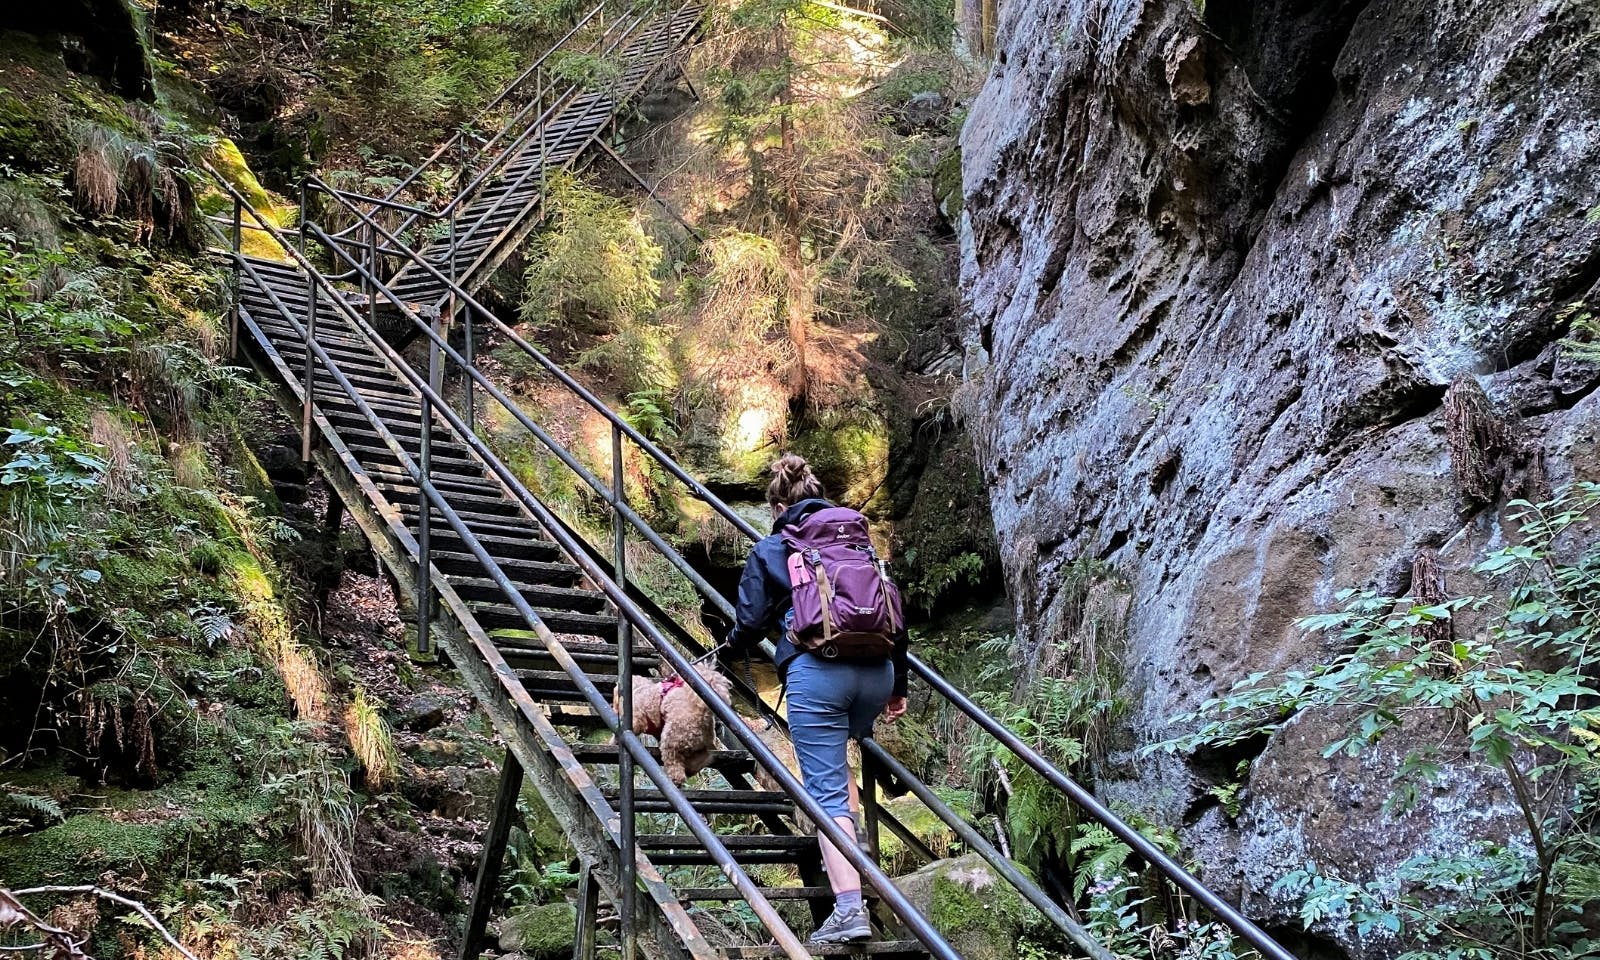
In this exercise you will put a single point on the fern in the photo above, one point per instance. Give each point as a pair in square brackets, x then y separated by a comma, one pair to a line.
[337, 925]
[215, 624]
[1107, 856]
[33, 805]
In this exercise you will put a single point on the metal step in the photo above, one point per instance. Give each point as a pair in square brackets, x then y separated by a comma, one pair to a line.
[726, 761]
[734, 802]
[685, 850]
[498, 615]
[596, 660]
[499, 547]
[476, 589]
[400, 491]
[558, 686]
[891, 949]
[696, 894]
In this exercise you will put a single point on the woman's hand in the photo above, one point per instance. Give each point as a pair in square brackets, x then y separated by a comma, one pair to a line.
[894, 709]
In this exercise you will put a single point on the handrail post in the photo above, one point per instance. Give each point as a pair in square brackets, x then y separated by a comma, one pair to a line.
[369, 283]
[238, 251]
[619, 545]
[869, 807]
[311, 339]
[544, 160]
[425, 509]
[470, 399]
[424, 598]
[493, 856]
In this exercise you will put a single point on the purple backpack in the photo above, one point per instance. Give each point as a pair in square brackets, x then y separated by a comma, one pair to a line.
[845, 605]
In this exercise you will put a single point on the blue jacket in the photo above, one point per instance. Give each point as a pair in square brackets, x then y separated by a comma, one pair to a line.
[764, 598]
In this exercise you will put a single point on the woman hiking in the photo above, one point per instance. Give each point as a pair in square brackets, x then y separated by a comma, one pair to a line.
[839, 674]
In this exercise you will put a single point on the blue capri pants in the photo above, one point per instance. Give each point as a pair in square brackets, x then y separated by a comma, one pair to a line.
[829, 703]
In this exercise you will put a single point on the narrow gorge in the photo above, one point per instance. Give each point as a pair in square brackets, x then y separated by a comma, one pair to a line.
[390, 391]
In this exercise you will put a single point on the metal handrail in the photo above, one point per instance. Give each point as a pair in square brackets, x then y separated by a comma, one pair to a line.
[499, 98]
[557, 104]
[625, 735]
[597, 485]
[888, 892]
[541, 169]
[1029, 890]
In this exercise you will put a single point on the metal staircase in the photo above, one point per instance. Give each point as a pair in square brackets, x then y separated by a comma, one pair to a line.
[543, 625]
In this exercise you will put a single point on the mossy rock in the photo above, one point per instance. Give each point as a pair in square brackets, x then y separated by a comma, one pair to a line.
[29, 139]
[851, 459]
[544, 932]
[981, 915]
[545, 836]
[226, 159]
[947, 185]
[924, 824]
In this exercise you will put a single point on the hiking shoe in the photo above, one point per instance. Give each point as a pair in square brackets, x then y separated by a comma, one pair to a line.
[843, 927]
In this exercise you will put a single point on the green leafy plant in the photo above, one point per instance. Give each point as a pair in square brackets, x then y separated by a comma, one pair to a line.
[528, 879]
[337, 924]
[934, 580]
[585, 69]
[1519, 689]
[1583, 338]
[1061, 717]
[650, 413]
[593, 267]
[299, 770]
[47, 463]
[21, 811]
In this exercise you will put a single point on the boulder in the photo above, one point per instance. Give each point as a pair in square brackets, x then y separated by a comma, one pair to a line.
[922, 111]
[421, 713]
[976, 910]
[544, 932]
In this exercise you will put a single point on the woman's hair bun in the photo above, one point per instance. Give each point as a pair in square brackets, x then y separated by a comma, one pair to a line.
[791, 467]
[792, 481]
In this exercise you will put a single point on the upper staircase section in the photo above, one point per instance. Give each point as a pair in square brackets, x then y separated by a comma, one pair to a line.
[548, 122]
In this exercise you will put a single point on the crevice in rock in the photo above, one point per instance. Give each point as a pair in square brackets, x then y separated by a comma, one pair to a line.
[1117, 542]
[1305, 944]
[1526, 344]
[1287, 50]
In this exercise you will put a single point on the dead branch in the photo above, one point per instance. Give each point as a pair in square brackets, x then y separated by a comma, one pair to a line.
[58, 941]
[103, 894]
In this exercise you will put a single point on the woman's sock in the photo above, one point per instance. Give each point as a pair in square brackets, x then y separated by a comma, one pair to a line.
[847, 901]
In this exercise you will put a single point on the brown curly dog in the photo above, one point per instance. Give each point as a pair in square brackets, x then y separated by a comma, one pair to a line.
[676, 716]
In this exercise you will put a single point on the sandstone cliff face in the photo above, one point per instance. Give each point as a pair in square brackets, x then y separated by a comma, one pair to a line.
[1221, 268]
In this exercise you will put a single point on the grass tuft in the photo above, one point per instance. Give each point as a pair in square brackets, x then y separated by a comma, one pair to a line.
[371, 742]
[94, 175]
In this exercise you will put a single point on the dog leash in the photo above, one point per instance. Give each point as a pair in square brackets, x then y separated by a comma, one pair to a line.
[749, 676]
[709, 654]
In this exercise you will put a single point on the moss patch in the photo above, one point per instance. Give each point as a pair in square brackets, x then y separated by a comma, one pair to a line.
[543, 933]
[947, 185]
[226, 159]
[981, 915]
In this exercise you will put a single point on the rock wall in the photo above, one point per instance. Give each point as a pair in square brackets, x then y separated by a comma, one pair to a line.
[1222, 262]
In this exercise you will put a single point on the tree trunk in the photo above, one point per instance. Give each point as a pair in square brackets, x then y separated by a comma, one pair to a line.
[799, 297]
